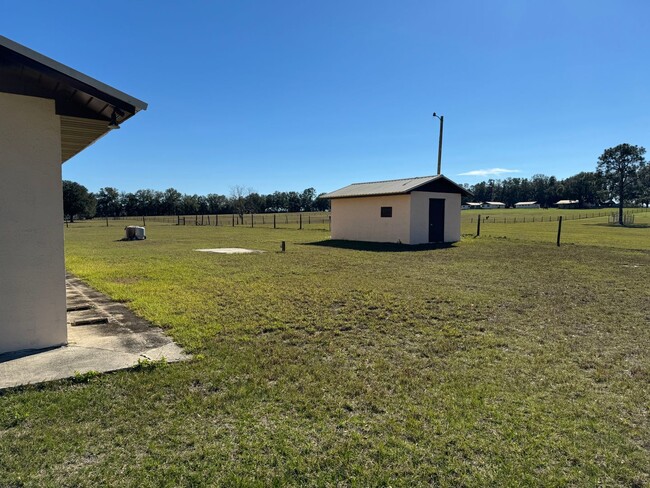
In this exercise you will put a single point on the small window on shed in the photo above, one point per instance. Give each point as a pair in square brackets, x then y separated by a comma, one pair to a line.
[386, 211]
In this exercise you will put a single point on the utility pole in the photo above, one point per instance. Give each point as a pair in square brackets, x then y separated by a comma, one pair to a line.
[442, 122]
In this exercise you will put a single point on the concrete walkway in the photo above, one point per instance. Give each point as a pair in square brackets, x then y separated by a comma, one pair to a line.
[102, 336]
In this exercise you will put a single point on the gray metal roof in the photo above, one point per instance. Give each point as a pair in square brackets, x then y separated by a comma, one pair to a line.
[391, 187]
[84, 103]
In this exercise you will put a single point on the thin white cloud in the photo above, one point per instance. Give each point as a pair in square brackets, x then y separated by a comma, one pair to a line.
[489, 172]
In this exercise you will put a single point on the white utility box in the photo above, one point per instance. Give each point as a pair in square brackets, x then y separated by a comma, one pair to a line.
[133, 232]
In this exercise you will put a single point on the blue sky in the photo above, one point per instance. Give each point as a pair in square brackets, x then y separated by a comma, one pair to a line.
[295, 94]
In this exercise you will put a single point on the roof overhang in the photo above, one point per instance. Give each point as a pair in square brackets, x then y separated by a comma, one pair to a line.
[84, 103]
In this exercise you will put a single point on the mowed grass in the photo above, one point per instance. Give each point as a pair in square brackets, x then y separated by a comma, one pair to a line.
[496, 361]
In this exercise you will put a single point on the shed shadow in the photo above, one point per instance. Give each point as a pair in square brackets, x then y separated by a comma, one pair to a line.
[626, 226]
[379, 246]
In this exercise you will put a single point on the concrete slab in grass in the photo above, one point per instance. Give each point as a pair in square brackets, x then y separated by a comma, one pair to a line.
[231, 250]
[102, 336]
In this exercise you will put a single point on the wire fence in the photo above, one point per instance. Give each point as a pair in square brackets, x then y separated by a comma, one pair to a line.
[285, 220]
[536, 218]
[603, 229]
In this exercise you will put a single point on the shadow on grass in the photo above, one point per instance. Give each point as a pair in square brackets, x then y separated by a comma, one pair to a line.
[626, 226]
[378, 246]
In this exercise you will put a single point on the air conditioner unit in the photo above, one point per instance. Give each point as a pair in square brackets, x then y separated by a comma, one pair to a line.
[133, 232]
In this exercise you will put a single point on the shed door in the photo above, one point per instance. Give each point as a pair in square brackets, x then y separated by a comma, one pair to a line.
[436, 219]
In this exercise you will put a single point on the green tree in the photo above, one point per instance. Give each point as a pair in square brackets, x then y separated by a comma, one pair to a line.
[618, 166]
[644, 185]
[170, 202]
[77, 201]
[108, 202]
[585, 187]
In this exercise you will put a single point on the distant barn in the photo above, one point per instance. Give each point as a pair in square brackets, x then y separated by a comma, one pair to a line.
[470, 206]
[410, 211]
[567, 203]
[527, 204]
[489, 205]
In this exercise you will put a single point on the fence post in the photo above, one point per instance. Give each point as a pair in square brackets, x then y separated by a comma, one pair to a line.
[178, 220]
[274, 221]
[300, 215]
[144, 224]
[478, 226]
[233, 220]
[216, 220]
[559, 230]
[283, 246]
[107, 221]
[252, 218]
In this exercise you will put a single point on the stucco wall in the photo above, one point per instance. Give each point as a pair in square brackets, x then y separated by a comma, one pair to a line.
[420, 216]
[32, 268]
[359, 219]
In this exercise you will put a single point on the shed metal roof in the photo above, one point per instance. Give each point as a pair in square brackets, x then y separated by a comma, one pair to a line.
[567, 202]
[526, 203]
[84, 103]
[392, 187]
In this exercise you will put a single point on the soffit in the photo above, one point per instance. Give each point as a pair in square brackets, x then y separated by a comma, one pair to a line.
[84, 104]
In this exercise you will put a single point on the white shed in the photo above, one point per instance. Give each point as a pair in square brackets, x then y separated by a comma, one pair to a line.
[527, 204]
[411, 211]
[567, 203]
[488, 205]
[48, 113]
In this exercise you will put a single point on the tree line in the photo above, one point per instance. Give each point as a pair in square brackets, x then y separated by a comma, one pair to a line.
[621, 177]
[110, 202]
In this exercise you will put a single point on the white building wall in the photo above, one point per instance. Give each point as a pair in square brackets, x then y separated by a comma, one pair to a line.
[32, 267]
[359, 219]
[420, 216]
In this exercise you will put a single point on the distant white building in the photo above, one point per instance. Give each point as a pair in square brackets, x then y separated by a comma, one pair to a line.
[527, 205]
[410, 211]
[567, 203]
[470, 205]
[488, 205]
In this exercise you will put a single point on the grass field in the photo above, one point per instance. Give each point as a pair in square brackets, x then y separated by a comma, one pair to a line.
[502, 361]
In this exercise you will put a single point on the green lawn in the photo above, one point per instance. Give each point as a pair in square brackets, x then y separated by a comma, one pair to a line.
[502, 360]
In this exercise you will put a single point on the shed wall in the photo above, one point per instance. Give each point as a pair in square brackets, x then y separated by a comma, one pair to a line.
[359, 219]
[32, 284]
[420, 216]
